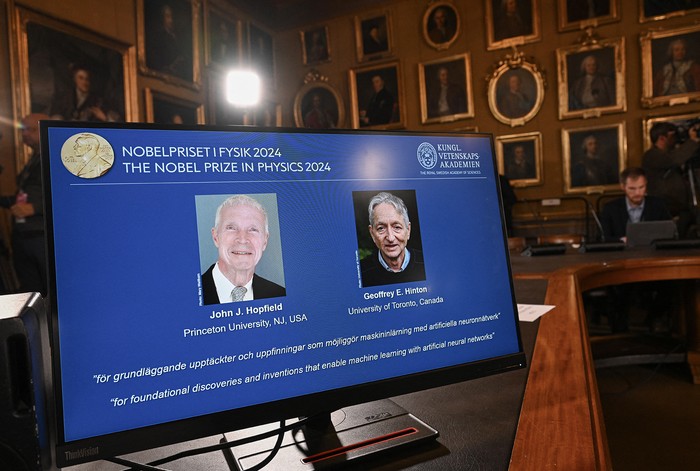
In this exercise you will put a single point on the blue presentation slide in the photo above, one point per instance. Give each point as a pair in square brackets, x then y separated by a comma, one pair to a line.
[133, 212]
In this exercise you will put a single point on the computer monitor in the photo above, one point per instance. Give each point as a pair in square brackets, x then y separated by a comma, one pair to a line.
[149, 347]
[644, 233]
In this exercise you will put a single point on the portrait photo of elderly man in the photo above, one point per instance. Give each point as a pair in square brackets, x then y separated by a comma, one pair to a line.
[240, 234]
[396, 258]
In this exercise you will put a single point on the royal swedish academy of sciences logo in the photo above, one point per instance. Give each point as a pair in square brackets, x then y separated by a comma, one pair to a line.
[427, 155]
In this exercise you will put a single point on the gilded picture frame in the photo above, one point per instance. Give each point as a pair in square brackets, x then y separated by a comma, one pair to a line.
[168, 40]
[374, 36]
[315, 45]
[446, 89]
[162, 108]
[519, 158]
[655, 10]
[515, 90]
[594, 156]
[467, 129]
[512, 23]
[51, 57]
[376, 94]
[682, 122]
[223, 36]
[591, 79]
[662, 51]
[576, 14]
[317, 105]
[441, 24]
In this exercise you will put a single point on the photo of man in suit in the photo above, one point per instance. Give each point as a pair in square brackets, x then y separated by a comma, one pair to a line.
[82, 102]
[592, 88]
[240, 234]
[521, 161]
[442, 25]
[681, 71]
[380, 108]
[445, 95]
[374, 36]
[514, 101]
[168, 28]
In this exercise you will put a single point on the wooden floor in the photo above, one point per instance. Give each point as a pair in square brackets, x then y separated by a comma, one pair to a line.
[651, 411]
[652, 416]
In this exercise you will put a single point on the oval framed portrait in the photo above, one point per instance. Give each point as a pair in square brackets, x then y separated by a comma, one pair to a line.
[317, 105]
[441, 25]
[516, 92]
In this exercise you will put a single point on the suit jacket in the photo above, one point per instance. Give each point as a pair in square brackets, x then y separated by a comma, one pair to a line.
[456, 101]
[602, 88]
[262, 288]
[381, 107]
[615, 217]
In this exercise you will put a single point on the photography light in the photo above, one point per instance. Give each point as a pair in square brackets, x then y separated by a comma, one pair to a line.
[242, 88]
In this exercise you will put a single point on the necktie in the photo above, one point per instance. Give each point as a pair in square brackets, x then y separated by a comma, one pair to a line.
[237, 293]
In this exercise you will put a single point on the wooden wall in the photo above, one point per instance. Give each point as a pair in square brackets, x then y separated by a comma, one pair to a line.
[116, 20]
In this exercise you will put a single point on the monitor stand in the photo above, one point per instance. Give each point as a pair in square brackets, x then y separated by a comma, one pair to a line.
[334, 439]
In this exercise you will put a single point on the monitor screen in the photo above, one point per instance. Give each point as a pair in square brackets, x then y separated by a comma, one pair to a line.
[208, 279]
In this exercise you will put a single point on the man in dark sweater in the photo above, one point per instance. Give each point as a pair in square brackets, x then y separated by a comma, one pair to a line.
[390, 229]
[635, 206]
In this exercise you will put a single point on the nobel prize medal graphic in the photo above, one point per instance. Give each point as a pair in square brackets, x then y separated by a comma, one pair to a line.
[87, 155]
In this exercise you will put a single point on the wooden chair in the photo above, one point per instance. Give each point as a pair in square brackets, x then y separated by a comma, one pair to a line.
[560, 239]
[516, 243]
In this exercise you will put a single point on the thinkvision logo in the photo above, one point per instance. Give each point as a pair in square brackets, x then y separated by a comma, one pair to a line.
[82, 453]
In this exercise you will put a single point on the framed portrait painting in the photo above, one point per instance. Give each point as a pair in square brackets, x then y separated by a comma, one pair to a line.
[169, 40]
[317, 105]
[373, 36]
[671, 66]
[652, 10]
[315, 45]
[511, 23]
[519, 158]
[592, 79]
[223, 37]
[261, 53]
[267, 114]
[70, 74]
[515, 90]
[682, 122]
[165, 109]
[376, 96]
[220, 111]
[441, 24]
[446, 89]
[577, 14]
[593, 158]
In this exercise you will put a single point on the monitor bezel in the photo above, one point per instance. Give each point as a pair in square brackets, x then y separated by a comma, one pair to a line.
[142, 438]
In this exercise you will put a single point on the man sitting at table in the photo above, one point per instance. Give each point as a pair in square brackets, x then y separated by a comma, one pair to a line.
[635, 206]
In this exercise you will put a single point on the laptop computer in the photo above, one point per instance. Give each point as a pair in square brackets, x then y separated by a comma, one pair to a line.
[643, 233]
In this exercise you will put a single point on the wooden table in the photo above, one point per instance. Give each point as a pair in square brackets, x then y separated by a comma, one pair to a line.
[545, 417]
[561, 422]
